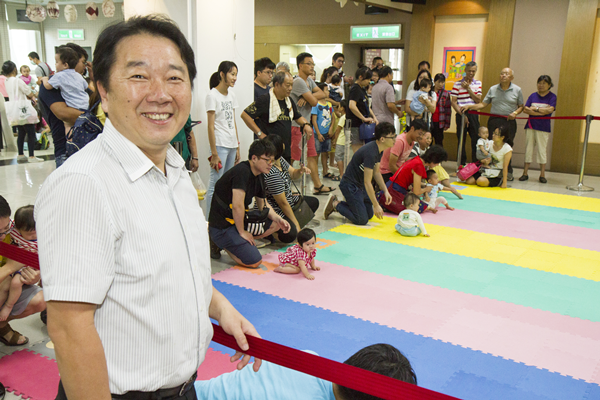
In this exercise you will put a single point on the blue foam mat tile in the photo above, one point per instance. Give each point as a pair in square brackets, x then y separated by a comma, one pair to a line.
[593, 393]
[559, 386]
[472, 387]
[434, 361]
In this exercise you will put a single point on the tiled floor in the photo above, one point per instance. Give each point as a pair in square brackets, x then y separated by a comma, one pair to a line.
[19, 184]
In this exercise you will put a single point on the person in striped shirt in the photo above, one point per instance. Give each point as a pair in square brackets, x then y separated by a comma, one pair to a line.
[467, 92]
[24, 236]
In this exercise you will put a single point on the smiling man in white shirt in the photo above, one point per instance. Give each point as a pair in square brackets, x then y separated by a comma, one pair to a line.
[123, 243]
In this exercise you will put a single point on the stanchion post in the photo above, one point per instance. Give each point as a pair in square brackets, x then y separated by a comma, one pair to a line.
[461, 137]
[303, 163]
[580, 187]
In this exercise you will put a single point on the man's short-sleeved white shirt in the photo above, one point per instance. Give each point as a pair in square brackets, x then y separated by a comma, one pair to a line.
[113, 230]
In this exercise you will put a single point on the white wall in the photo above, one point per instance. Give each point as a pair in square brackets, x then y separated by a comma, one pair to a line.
[534, 54]
[228, 37]
[91, 29]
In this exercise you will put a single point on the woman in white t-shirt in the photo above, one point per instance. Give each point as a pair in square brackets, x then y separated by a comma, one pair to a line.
[18, 91]
[496, 173]
[222, 129]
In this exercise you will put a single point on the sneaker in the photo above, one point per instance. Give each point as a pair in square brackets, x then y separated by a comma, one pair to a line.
[22, 157]
[35, 159]
[510, 177]
[329, 206]
[260, 243]
[524, 178]
[215, 251]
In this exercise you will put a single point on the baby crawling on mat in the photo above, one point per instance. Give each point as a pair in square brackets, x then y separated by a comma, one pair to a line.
[298, 257]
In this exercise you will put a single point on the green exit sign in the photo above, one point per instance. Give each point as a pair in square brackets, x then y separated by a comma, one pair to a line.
[375, 33]
[70, 34]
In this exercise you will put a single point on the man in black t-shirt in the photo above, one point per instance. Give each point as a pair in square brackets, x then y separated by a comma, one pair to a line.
[232, 197]
[259, 118]
[263, 73]
[356, 184]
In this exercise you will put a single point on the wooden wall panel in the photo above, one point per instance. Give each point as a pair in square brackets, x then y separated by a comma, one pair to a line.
[270, 50]
[574, 73]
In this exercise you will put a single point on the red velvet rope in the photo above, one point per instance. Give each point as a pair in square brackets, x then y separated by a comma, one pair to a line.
[333, 371]
[532, 117]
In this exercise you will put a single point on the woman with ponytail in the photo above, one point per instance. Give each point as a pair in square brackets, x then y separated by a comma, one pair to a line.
[222, 129]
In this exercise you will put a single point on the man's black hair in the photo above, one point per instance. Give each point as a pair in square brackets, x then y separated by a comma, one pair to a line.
[305, 235]
[383, 359]
[155, 25]
[435, 154]
[424, 63]
[419, 125]
[24, 220]
[300, 58]
[261, 147]
[33, 54]
[67, 55]
[336, 56]
[383, 129]
[385, 71]
[263, 63]
[4, 208]
[79, 50]
[277, 142]
[376, 59]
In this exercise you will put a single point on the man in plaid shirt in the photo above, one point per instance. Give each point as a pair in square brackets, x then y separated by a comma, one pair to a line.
[440, 119]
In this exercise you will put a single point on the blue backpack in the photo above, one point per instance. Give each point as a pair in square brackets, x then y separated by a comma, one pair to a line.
[87, 127]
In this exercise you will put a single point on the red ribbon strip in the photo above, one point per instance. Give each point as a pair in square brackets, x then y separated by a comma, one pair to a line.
[532, 117]
[329, 370]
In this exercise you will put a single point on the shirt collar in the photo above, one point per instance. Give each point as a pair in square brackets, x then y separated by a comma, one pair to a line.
[135, 163]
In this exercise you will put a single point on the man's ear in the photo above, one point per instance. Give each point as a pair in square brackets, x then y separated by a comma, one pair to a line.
[103, 95]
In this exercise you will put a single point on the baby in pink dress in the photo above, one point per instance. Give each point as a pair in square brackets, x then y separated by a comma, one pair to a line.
[298, 257]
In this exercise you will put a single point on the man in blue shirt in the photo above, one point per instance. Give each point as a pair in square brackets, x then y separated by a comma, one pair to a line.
[275, 382]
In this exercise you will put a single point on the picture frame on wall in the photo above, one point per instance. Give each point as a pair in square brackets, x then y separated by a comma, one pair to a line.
[455, 59]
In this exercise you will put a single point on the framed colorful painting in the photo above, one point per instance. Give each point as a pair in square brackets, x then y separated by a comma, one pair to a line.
[455, 59]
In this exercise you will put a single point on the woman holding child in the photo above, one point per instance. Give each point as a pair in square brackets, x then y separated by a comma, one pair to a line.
[409, 177]
[496, 173]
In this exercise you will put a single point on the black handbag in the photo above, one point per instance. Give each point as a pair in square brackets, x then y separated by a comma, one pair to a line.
[302, 211]
[254, 220]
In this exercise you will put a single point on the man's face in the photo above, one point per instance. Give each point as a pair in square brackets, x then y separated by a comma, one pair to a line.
[470, 73]
[339, 63]
[150, 91]
[307, 66]
[424, 67]
[80, 67]
[378, 64]
[265, 76]
[285, 89]
[4, 227]
[263, 163]
[506, 76]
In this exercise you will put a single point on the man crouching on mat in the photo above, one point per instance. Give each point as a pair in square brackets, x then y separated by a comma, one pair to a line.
[275, 382]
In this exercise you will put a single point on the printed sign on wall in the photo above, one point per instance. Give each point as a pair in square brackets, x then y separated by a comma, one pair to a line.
[455, 59]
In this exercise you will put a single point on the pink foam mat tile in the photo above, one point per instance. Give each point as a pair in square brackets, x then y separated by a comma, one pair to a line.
[571, 236]
[579, 367]
[215, 364]
[29, 375]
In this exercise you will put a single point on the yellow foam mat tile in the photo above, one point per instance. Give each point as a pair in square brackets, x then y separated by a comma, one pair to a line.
[531, 197]
[523, 253]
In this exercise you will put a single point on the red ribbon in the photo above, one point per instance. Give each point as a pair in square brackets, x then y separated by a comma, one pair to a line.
[532, 117]
[329, 370]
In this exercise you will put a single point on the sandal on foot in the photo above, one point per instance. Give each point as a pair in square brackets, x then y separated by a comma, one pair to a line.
[335, 178]
[320, 190]
[328, 175]
[14, 338]
[543, 180]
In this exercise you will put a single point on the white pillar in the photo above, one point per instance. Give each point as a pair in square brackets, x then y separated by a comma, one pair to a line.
[218, 31]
